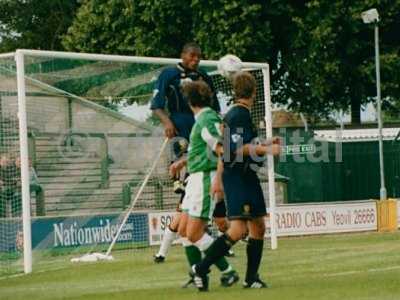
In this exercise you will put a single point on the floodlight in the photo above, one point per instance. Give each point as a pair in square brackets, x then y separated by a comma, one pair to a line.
[370, 16]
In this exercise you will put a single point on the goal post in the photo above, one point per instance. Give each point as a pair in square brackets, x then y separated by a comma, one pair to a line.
[23, 142]
[11, 226]
[270, 162]
[91, 153]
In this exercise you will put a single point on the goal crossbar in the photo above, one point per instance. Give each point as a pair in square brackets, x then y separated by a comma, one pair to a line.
[127, 59]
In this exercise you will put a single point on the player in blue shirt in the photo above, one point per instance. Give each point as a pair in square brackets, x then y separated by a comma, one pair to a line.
[178, 122]
[168, 93]
[243, 153]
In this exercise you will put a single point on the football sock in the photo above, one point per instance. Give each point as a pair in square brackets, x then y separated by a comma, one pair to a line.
[193, 253]
[218, 249]
[204, 244]
[169, 237]
[254, 254]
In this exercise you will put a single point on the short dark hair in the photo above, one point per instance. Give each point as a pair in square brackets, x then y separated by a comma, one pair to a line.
[198, 93]
[191, 46]
[244, 84]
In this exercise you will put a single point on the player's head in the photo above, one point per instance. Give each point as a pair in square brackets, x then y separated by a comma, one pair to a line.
[198, 93]
[191, 55]
[244, 85]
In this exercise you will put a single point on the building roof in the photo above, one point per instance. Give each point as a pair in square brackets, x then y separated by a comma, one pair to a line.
[355, 135]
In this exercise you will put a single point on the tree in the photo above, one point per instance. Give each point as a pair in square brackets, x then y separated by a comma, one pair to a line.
[143, 27]
[329, 63]
[320, 52]
[34, 24]
[240, 27]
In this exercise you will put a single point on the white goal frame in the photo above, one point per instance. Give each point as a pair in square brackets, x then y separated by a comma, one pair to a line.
[23, 134]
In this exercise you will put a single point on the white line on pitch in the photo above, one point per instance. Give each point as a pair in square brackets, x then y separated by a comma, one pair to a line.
[362, 271]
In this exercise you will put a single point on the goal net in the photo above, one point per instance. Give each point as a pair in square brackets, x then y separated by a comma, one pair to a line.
[10, 180]
[92, 142]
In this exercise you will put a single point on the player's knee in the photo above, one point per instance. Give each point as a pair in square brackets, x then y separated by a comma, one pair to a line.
[174, 227]
[257, 230]
[221, 224]
[261, 227]
[193, 237]
[175, 222]
[244, 234]
[261, 233]
[237, 233]
[182, 230]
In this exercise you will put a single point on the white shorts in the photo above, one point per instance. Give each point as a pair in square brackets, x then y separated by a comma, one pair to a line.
[198, 202]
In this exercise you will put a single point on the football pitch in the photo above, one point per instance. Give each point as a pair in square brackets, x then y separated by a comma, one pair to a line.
[346, 266]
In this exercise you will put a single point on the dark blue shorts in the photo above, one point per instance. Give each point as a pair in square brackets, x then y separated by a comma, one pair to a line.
[243, 194]
[219, 210]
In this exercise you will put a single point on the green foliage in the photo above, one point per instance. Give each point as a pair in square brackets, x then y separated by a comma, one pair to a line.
[321, 54]
[329, 63]
[240, 27]
[34, 24]
[145, 27]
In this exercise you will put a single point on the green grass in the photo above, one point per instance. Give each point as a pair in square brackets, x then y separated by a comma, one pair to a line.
[348, 266]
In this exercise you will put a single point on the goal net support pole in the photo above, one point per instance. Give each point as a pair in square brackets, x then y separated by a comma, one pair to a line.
[139, 192]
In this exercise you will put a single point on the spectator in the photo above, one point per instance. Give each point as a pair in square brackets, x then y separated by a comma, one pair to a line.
[10, 186]
[34, 186]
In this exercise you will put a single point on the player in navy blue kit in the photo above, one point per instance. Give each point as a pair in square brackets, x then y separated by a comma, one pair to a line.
[179, 120]
[177, 126]
[243, 154]
[168, 93]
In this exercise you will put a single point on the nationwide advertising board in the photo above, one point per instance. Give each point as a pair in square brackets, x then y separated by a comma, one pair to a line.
[76, 231]
[148, 228]
[87, 230]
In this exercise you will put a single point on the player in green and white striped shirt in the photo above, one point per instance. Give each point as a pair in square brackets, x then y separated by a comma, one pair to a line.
[202, 160]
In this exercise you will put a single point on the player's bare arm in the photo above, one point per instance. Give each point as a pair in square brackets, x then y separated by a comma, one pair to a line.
[169, 128]
[274, 140]
[217, 189]
[259, 150]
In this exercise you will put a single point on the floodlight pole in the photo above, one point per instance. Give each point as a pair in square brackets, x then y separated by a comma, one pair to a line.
[383, 193]
[372, 16]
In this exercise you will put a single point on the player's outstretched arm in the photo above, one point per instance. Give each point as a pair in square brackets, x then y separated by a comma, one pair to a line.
[259, 150]
[169, 127]
[274, 140]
